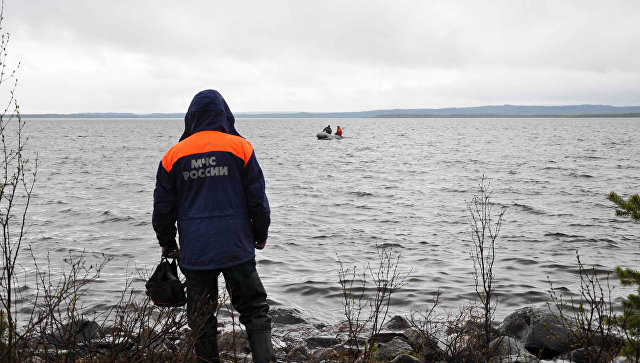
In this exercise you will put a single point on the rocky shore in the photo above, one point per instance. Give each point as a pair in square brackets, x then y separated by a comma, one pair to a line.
[527, 335]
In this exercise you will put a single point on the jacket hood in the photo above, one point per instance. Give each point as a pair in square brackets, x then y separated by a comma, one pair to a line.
[208, 111]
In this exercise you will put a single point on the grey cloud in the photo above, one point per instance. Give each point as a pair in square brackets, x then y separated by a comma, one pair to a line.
[335, 54]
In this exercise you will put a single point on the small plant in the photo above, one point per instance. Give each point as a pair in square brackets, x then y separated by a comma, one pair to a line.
[586, 318]
[452, 337]
[368, 312]
[353, 286]
[485, 227]
[17, 179]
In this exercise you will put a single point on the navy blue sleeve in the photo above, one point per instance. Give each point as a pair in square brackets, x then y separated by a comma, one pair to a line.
[164, 209]
[259, 211]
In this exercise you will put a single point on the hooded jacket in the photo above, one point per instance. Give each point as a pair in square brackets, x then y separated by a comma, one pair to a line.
[211, 184]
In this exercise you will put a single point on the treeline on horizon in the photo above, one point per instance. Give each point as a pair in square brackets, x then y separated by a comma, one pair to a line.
[573, 111]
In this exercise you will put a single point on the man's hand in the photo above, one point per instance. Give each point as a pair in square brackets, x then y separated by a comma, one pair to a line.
[172, 254]
[260, 245]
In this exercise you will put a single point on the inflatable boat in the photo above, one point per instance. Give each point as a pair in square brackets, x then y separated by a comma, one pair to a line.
[325, 136]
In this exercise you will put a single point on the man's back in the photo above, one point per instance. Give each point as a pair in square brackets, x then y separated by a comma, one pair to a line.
[209, 170]
[211, 184]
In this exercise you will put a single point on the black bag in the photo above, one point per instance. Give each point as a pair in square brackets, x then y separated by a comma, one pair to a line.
[164, 287]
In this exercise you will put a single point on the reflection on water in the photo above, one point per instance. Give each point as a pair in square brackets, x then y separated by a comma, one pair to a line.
[395, 183]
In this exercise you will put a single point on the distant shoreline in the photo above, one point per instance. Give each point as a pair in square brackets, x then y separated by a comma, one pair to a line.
[504, 111]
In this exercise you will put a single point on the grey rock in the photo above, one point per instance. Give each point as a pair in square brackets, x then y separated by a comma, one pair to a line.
[418, 339]
[517, 324]
[81, 331]
[341, 327]
[423, 343]
[386, 336]
[397, 323]
[474, 327]
[508, 349]
[585, 355]
[539, 330]
[293, 334]
[347, 352]
[298, 354]
[87, 330]
[286, 316]
[405, 358]
[394, 348]
[324, 341]
[328, 354]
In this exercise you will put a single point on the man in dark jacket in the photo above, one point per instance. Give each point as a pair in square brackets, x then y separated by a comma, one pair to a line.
[211, 185]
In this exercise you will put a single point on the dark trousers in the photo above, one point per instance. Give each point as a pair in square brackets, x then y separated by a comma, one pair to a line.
[248, 297]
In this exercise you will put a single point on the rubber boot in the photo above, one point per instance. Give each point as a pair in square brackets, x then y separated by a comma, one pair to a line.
[207, 349]
[261, 347]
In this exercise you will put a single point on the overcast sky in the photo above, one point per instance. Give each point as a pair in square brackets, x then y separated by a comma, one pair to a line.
[153, 56]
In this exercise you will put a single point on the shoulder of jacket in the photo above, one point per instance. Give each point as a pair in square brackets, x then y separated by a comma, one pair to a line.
[247, 147]
[169, 156]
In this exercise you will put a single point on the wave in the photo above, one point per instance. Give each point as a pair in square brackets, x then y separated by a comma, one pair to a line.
[111, 217]
[576, 175]
[522, 261]
[361, 194]
[528, 209]
[561, 235]
[390, 245]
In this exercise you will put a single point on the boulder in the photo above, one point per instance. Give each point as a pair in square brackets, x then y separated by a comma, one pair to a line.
[81, 332]
[324, 341]
[508, 349]
[327, 354]
[348, 353]
[290, 328]
[298, 354]
[386, 336]
[87, 330]
[392, 349]
[423, 343]
[586, 355]
[397, 323]
[475, 328]
[287, 316]
[539, 330]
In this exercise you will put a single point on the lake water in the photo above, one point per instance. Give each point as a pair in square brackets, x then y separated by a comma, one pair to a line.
[401, 184]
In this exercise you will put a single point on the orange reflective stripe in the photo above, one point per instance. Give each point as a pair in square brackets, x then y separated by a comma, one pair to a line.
[206, 141]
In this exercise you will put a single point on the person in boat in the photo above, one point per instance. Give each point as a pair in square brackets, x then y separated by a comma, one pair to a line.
[339, 131]
[211, 185]
[328, 130]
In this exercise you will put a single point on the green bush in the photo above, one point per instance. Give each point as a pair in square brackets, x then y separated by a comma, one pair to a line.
[629, 208]
[630, 319]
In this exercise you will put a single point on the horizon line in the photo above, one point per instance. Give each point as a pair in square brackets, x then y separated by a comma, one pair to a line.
[324, 112]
